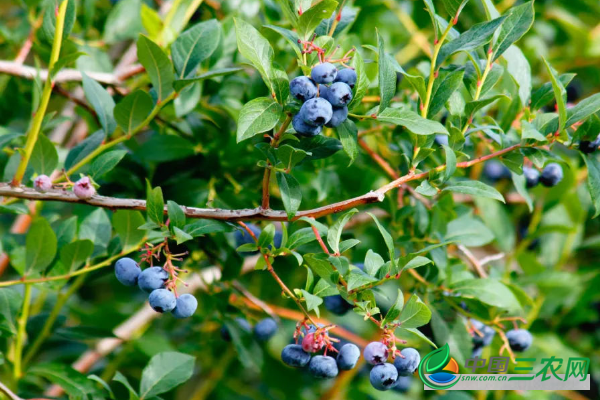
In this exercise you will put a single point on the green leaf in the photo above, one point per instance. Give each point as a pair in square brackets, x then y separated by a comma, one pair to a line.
[119, 377]
[387, 77]
[290, 36]
[49, 22]
[74, 254]
[291, 195]
[96, 227]
[450, 162]
[131, 112]
[387, 238]
[44, 157]
[10, 303]
[335, 232]
[75, 384]
[40, 246]
[101, 101]
[443, 89]
[255, 48]
[521, 186]
[311, 18]
[176, 214]
[206, 226]
[475, 188]
[518, 22]
[165, 371]
[84, 148]
[123, 21]
[319, 264]
[593, 181]
[312, 302]
[545, 94]
[454, 7]
[469, 231]
[426, 189]
[157, 65]
[583, 109]
[182, 83]
[257, 116]
[266, 236]
[488, 291]
[290, 156]
[126, 225]
[362, 81]
[181, 236]
[472, 39]
[417, 262]
[528, 131]
[373, 262]
[106, 162]
[195, 45]
[560, 95]
[395, 310]
[420, 335]
[411, 121]
[348, 133]
[358, 280]
[155, 205]
[65, 61]
[414, 314]
[520, 70]
[473, 106]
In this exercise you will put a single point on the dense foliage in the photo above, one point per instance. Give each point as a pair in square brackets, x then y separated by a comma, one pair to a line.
[371, 177]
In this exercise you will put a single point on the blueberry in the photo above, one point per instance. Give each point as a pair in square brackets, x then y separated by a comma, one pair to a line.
[294, 356]
[316, 112]
[162, 300]
[324, 73]
[152, 278]
[383, 376]
[348, 356]
[336, 304]
[83, 188]
[403, 384]
[519, 339]
[441, 140]
[551, 175]
[304, 129]
[406, 366]
[532, 176]
[487, 332]
[477, 352]
[587, 147]
[303, 88]
[376, 353]
[340, 114]
[127, 271]
[185, 307]
[278, 238]
[323, 367]
[42, 183]
[265, 329]
[494, 170]
[339, 94]
[346, 75]
[241, 323]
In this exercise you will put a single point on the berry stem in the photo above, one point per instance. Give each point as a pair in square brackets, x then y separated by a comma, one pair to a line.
[21, 332]
[488, 67]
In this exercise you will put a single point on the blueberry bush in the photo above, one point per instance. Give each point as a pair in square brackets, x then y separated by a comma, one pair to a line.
[294, 199]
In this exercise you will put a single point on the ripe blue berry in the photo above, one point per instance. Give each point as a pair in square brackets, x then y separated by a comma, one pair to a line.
[294, 356]
[519, 339]
[532, 176]
[265, 329]
[324, 73]
[346, 75]
[348, 357]
[336, 304]
[494, 170]
[376, 353]
[339, 94]
[185, 307]
[303, 88]
[152, 278]
[239, 322]
[406, 366]
[162, 300]
[403, 384]
[304, 129]
[340, 114]
[316, 112]
[323, 367]
[383, 376]
[551, 175]
[441, 140]
[127, 271]
[487, 332]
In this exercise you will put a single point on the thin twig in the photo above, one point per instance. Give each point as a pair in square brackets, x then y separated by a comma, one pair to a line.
[473, 260]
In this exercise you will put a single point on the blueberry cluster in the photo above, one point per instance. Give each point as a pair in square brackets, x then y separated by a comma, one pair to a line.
[384, 375]
[323, 105]
[153, 281]
[264, 330]
[551, 175]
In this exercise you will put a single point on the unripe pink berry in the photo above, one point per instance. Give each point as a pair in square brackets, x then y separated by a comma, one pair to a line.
[83, 188]
[42, 183]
